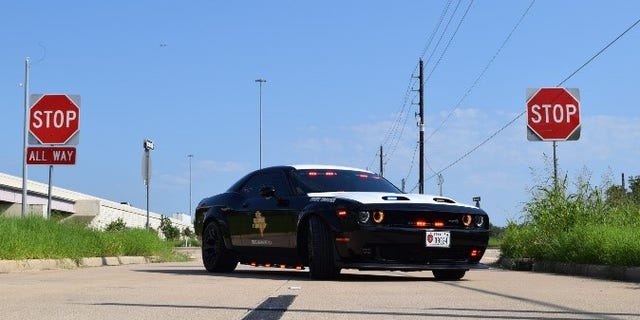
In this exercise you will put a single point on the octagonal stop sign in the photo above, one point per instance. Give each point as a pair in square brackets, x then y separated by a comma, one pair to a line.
[54, 119]
[553, 114]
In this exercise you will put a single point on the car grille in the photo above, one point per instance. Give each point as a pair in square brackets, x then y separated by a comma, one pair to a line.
[428, 219]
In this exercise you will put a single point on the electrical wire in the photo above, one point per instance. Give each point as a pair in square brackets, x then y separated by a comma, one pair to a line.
[446, 27]
[398, 121]
[523, 112]
[413, 159]
[393, 135]
[453, 35]
[484, 70]
[435, 30]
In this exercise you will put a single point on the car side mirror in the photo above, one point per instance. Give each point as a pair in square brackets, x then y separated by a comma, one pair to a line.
[268, 192]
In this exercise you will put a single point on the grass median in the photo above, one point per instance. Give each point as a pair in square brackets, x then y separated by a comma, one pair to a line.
[38, 238]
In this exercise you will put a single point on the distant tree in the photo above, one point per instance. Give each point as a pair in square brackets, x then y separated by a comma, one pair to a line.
[169, 231]
[496, 232]
[634, 185]
[616, 195]
[187, 232]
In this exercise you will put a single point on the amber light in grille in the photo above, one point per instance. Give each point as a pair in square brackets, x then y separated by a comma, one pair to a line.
[467, 219]
[475, 253]
[378, 216]
[421, 223]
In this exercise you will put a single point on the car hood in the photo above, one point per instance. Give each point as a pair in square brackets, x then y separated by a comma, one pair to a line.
[383, 197]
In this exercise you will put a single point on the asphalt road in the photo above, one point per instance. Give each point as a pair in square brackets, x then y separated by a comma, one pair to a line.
[186, 291]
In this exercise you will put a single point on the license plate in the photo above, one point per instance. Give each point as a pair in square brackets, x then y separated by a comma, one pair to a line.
[439, 239]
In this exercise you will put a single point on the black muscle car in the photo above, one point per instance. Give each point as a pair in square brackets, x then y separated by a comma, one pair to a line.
[329, 217]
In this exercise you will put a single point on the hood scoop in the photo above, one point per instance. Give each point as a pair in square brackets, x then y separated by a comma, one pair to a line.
[443, 200]
[395, 198]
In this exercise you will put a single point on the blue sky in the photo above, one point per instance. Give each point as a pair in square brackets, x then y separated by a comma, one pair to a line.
[338, 72]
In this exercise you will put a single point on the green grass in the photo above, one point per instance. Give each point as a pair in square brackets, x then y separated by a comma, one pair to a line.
[582, 226]
[494, 242]
[38, 238]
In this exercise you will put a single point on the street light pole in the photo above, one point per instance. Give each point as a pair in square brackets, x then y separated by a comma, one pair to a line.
[146, 170]
[260, 82]
[190, 156]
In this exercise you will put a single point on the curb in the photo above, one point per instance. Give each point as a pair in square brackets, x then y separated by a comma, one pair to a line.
[628, 274]
[11, 266]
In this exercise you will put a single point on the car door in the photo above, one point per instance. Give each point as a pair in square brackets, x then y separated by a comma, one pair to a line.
[269, 223]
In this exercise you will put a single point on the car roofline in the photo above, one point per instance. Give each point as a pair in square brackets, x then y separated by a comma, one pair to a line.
[324, 167]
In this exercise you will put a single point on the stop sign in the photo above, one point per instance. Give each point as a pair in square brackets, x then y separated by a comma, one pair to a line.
[54, 119]
[553, 114]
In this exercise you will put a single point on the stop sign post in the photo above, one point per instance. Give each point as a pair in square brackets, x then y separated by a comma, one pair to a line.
[54, 119]
[553, 114]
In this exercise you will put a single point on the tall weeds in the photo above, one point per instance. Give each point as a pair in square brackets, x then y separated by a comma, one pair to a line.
[578, 226]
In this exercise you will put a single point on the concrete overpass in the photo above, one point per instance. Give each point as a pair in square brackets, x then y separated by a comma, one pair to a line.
[93, 211]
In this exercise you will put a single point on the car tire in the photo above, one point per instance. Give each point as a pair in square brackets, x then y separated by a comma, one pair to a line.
[215, 256]
[448, 274]
[321, 251]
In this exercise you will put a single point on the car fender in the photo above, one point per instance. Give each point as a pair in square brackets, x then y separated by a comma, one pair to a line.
[216, 214]
[326, 212]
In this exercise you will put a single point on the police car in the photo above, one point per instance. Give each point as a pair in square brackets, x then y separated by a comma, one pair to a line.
[329, 218]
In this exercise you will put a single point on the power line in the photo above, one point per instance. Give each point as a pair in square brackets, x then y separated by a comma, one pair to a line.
[435, 30]
[484, 70]
[523, 112]
[393, 134]
[413, 160]
[453, 35]
[398, 121]
[446, 27]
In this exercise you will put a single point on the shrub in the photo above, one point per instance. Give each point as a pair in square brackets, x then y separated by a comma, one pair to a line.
[116, 225]
[169, 231]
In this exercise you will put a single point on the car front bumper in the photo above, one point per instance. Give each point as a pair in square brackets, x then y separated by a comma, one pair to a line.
[376, 248]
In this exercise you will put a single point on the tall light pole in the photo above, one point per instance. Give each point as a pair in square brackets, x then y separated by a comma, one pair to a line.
[260, 82]
[146, 170]
[190, 156]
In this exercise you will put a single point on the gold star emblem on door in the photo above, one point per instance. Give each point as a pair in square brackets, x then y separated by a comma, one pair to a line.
[260, 223]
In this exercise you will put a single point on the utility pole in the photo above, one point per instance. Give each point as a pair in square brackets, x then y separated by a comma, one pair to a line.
[381, 164]
[421, 116]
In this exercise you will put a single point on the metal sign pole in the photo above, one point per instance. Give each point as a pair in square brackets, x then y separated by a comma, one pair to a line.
[26, 133]
[49, 192]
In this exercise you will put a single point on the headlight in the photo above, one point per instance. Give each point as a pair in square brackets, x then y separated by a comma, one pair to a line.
[364, 216]
[378, 216]
[467, 219]
[479, 221]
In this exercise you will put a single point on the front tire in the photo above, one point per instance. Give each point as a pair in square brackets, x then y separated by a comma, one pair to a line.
[215, 256]
[322, 251]
[448, 274]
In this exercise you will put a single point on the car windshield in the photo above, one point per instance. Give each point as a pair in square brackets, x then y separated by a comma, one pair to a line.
[330, 180]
